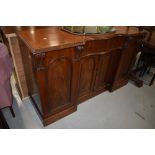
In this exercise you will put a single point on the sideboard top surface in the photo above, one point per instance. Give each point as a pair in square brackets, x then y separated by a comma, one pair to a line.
[53, 38]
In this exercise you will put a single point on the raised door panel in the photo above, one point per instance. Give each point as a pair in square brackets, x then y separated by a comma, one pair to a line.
[59, 77]
[59, 81]
[102, 68]
[87, 69]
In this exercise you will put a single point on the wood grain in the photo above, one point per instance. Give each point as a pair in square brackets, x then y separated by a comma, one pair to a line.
[70, 69]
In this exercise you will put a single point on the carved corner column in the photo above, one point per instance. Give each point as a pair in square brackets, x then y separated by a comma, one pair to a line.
[38, 62]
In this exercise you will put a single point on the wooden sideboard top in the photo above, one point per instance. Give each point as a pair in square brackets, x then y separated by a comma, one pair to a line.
[53, 38]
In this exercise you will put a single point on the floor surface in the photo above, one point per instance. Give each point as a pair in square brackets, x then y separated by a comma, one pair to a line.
[127, 107]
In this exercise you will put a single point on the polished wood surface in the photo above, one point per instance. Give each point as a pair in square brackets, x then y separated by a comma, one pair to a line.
[54, 38]
[59, 80]
[68, 69]
[94, 64]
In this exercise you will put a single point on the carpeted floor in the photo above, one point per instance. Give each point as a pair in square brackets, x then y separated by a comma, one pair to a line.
[128, 107]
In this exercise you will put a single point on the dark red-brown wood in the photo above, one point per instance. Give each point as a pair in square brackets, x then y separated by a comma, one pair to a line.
[68, 69]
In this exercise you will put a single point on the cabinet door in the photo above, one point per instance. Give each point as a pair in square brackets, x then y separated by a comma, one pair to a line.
[87, 68]
[102, 68]
[56, 81]
[95, 60]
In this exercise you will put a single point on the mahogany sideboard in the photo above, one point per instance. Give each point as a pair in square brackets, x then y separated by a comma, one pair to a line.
[63, 69]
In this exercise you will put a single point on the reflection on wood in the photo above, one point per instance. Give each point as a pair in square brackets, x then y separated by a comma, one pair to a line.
[69, 69]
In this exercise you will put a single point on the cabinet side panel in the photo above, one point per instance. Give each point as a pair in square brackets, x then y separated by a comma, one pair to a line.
[127, 59]
[128, 56]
